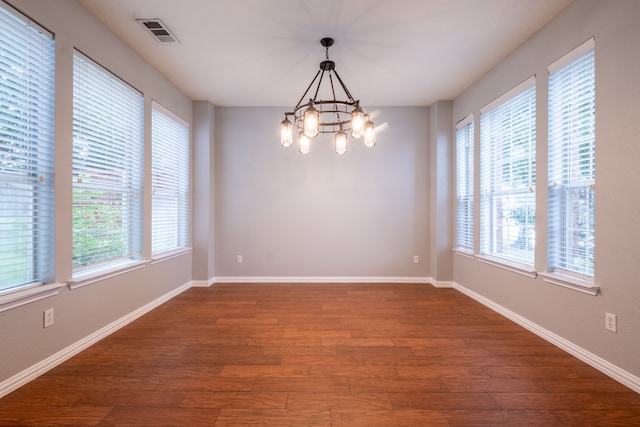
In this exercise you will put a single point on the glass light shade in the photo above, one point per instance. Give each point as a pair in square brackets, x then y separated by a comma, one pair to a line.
[369, 134]
[311, 121]
[357, 122]
[341, 142]
[305, 143]
[286, 132]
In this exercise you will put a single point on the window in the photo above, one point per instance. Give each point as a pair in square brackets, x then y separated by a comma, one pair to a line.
[572, 163]
[464, 184]
[107, 167]
[508, 175]
[170, 181]
[26, 150]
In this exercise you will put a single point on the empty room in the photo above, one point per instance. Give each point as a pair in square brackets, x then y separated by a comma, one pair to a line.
[319, 213]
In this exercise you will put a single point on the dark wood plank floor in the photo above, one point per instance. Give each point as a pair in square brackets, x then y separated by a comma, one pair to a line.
[322, 355]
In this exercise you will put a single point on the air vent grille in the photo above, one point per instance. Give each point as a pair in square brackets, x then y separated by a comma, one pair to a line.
[159, 30]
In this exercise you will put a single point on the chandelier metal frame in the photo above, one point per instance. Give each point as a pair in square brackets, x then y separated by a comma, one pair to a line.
[332, 115]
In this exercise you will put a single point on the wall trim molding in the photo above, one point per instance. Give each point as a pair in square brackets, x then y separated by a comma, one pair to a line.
[202, 283]
[321, 279]
[40, 368]
[442, 283]
[597, 362]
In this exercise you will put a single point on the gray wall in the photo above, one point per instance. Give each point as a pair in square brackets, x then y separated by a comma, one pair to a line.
[574, 316]
[83, 311]
[290, 215]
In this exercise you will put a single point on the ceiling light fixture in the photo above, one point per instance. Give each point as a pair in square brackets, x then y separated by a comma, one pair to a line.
[327, 115]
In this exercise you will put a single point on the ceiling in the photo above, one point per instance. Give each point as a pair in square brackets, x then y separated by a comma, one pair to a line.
[265, 53]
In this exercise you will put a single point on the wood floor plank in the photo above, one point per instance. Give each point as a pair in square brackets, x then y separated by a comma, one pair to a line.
[442, 400]
[397, 385]
[274, 417]
[598, 417]
[495, 385]
[38, 415]
[528, 418]
[317, 384]
[547, 401]
[236, 400]
[252, 371]
[322, 355]
[149, 399]
[395, 418]
[131, 416]
[356, 401]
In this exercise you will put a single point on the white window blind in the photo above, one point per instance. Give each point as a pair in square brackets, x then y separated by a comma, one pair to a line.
[508, 175]
[107, 167]
[170, 181]
[464, 184]
[26, 150]
[572, 163]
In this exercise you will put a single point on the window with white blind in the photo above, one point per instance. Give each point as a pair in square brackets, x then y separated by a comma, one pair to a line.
[464, 184]
[107, 168]
[508, 175]
[169, 180]
[572, 163]
[26, 150]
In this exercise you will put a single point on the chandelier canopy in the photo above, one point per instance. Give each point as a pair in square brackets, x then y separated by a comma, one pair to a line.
[332, 115]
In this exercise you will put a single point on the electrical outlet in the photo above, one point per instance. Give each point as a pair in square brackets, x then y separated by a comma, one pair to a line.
[610, 322]
[239, 259]
[48, 317]
[416, 259]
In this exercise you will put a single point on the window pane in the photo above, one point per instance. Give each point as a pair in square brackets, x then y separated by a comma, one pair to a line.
[26, 150]
[508, 178]
[464, 187]
[107, 167]
[572, 164]
[170, 181]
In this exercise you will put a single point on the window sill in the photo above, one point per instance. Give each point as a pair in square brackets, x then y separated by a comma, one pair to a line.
[463, 253]
[570, 282]
[106, 273]
[165, 256]
[514, 267]
[27, 296]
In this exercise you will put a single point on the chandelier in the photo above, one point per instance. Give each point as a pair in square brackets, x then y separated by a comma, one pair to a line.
[333, 115]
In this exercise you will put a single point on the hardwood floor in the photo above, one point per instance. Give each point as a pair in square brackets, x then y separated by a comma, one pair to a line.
[322, 355]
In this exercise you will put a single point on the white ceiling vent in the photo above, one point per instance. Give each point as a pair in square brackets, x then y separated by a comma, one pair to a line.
[160, 31]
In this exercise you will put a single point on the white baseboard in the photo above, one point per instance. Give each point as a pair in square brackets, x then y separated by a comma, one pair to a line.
[202, 283]
[604, 366]
[442, 283]
[320, 279]
[56, 359]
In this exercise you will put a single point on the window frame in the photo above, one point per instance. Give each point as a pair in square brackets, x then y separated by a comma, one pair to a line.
[170, 153]
[108, 161]
[465, 185]
[519, 100]
[571, 119]
[29, 147]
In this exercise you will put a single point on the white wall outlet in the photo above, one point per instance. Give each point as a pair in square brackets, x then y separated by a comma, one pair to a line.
[48, 317]
[239, 259]
[416, 259]
[610, 322]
